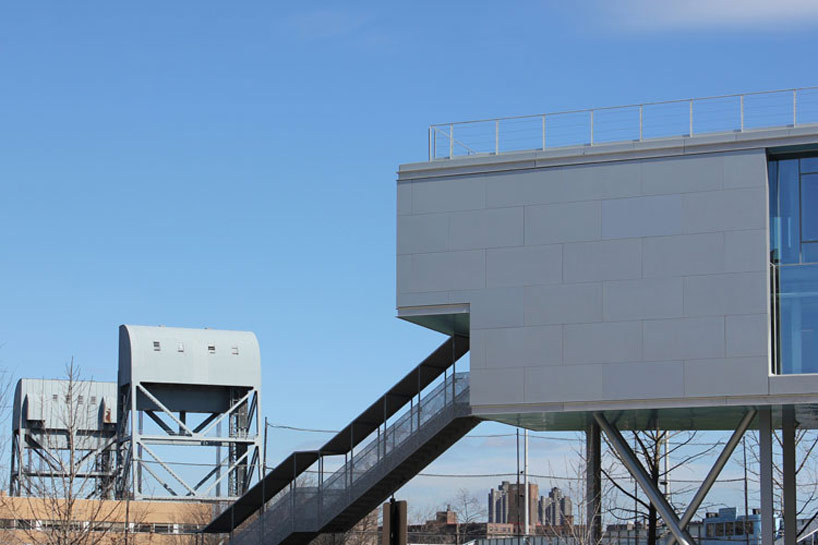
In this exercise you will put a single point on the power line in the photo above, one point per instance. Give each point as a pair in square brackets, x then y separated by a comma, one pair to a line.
[296, 428]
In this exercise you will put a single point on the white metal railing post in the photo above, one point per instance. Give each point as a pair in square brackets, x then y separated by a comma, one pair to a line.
[741, 110]
[641, 116]
[691, 117]
[660, 127]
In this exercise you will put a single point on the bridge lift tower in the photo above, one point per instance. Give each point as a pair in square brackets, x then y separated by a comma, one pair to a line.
[201, 392]
[57, 424]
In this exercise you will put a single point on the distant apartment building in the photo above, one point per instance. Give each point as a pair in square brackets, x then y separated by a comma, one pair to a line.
[506, 505]
[447, 528]
[556, 510]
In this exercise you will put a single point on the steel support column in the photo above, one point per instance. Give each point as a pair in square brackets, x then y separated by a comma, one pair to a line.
[788, 467]
[593, 482]
[638, 472]
[765, 442]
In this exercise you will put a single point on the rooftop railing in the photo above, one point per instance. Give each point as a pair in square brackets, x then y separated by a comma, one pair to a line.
[634, 122]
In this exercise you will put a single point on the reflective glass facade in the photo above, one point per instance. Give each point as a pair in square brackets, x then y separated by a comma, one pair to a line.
[794, 262]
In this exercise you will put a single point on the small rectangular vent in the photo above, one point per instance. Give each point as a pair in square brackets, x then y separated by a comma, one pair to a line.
[211, 348]
[93, 400]
[235, 350]
[180, 347]
[156, 346]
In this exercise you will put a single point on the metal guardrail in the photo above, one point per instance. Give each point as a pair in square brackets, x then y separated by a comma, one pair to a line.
[633, 122]
[313, 500]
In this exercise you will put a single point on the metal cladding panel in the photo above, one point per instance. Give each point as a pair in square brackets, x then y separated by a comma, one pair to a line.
[206, 357]
[630, 277]
[43, 403]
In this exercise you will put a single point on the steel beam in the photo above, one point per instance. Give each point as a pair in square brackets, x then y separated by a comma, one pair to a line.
[638, 472]
[164, 409]
[226, 473]
[715, 471]
[226, 413]
[168, 469]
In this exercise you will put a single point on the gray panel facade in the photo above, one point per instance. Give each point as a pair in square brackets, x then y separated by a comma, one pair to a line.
[600, 281]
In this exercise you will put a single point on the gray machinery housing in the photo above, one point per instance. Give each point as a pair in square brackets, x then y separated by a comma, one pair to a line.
[55, 422]
[193, 384]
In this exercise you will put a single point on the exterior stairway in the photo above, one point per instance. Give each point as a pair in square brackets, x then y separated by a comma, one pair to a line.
[377, 454]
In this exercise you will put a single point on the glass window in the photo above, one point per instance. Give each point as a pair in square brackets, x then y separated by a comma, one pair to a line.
[809, 207]
[788, 212]
[809, 164]
[794, 254]
[809, 252]
[798, 318]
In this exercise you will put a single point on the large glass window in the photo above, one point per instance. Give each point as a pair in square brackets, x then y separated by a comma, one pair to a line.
[794, 262]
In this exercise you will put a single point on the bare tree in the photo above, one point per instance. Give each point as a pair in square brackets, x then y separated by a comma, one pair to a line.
[661, 452]
[578, 528]
[469, 511]
[806, 468]
[61, 504]
[365, 532]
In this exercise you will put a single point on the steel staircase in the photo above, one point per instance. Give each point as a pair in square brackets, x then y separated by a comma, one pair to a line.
[373, 456]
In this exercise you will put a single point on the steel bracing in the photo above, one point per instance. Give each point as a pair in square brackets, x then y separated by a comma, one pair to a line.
[142, 467]
[63, 439]
[41, 463]
[676, 525]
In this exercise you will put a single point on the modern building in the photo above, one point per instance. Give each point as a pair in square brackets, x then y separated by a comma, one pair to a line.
[638, 279]
[725, 526]
[642, 267]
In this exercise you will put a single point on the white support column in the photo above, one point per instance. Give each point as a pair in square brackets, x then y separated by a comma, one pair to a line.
[526, 519]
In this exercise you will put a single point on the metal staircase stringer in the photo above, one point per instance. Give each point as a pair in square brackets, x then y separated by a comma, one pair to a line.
[403, 473]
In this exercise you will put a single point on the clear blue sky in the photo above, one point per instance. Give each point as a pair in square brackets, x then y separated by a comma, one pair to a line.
[232, 165]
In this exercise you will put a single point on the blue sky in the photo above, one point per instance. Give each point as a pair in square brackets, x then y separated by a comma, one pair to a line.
[232, 165]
